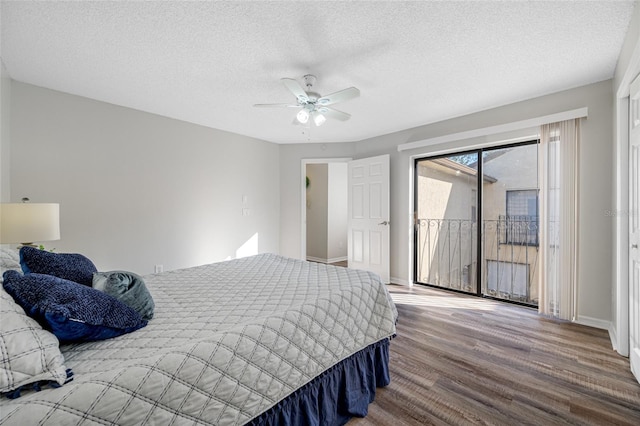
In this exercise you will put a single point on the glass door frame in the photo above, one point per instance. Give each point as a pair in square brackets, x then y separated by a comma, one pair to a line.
[479, 215]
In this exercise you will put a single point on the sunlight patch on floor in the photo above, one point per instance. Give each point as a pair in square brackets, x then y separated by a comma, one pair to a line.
[443, 301]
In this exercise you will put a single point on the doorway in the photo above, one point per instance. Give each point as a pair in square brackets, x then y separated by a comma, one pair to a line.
[476, 222]
[326, 206]
[324, 210]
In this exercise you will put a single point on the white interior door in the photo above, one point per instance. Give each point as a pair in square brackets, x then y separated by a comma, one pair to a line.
[634, 228]
[369, 222]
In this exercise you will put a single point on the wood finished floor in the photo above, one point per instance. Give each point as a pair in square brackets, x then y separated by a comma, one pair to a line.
[461, 360]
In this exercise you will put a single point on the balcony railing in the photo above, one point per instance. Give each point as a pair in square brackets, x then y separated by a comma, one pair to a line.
[447, 256]
[519, 229]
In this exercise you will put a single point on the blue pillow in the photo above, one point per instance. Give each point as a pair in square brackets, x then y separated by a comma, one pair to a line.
[69, 266]
[72, 312]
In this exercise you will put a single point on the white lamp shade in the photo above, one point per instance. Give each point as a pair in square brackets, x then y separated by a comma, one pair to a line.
[29, 222]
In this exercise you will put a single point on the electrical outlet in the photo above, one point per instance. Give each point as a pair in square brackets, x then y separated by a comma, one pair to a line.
[158, 268]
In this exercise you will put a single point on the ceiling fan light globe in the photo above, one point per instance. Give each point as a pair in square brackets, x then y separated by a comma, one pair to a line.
[319, 119]
[303, 116]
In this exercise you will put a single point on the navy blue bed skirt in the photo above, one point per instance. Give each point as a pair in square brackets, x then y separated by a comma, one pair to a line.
[343, 391]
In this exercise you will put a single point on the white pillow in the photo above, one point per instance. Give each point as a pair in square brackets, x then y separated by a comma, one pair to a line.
[9, 259]
[29, 353]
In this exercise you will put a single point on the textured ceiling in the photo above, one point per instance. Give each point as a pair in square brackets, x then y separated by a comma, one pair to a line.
[414, 62]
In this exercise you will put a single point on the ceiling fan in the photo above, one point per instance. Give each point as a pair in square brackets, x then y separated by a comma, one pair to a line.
[311, 104]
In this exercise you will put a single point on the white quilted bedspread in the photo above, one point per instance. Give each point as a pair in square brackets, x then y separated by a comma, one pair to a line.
[227, 342]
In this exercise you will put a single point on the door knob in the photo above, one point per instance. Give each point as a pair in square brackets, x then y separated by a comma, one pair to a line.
[385, 223]
[634, 246]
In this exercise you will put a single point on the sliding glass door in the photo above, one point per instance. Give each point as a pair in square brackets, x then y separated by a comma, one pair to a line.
[510, 231]
[476, 227]
[446, 221]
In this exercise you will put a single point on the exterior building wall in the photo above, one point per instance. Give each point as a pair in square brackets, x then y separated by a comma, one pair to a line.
[446, 238]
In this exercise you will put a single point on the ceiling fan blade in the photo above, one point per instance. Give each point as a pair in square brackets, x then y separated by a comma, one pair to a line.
[334, 113]
[276, 106]
[339, 96]
[295, 88]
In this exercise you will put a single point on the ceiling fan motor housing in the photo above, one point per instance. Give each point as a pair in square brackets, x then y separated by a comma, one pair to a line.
[309, 80]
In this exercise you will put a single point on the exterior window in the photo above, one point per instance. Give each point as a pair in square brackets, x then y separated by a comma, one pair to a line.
[520, 224]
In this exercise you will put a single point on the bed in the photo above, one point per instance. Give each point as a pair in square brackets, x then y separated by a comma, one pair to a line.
[258, 340]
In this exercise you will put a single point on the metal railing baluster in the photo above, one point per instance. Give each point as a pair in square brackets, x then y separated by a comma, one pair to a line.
[442, 244]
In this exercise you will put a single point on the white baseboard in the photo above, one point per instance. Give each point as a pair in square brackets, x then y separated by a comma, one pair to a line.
[594, 322]
[614, 337]
[401, 281]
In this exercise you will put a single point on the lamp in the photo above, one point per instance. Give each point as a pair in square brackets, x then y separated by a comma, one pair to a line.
[26, 222]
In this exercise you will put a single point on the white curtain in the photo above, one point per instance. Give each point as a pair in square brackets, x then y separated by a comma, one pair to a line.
[558, 175]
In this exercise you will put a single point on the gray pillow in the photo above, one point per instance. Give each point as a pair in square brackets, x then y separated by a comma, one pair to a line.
[127, 287]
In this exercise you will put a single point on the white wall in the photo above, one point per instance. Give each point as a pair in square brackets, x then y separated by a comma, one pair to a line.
[5, 125]
[337, 212]
[5, 114]
[136, 189]
[627, 68]
[5, 97]
[594, 294]
[317, 211]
